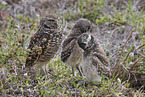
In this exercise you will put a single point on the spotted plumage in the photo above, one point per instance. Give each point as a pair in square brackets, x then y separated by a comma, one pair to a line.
[71, 53]
[45, 42]
[95, 62]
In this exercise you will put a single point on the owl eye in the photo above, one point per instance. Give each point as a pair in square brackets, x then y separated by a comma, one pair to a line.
[82, 44]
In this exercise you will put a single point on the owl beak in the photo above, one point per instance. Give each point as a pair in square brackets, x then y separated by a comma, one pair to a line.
[88, 41]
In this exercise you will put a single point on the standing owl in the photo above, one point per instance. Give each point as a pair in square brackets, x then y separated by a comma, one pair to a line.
[95, 62]
[71, 53]
[45, 42]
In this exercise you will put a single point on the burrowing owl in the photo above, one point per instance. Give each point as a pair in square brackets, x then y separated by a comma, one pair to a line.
[71, 53]
[45, 42]
[95, 62]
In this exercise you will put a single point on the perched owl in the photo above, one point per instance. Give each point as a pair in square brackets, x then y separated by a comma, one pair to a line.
[45, 42]
[71, 53]
[95, 62]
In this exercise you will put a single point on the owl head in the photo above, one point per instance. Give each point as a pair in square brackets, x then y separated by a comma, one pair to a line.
[85, 41]
[49, 22]
[83, 25]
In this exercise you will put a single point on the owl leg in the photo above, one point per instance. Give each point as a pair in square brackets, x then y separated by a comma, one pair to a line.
[44, 69]
[73, 71]
[79, 69]
[32, 72]
[46, 73]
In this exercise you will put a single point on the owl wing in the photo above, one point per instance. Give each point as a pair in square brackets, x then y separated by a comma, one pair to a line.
[102, 69]
[99, 52]
[66, 42]
[103, 58]
[100, 61]
[38, 38]
[67, 49]
[37, 47]
[69, 39]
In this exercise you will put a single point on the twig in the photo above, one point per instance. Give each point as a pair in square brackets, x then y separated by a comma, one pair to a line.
[141, 46]
[125, 45]
[128, 55]
[142, 55]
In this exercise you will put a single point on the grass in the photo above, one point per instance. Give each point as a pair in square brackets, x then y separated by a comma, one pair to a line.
[120, 30]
